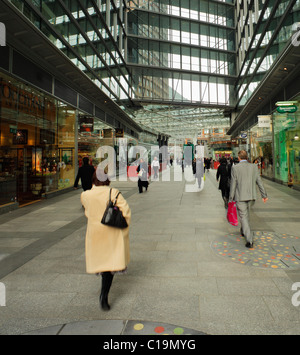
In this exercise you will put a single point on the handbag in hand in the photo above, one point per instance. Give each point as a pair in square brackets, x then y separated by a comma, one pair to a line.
[112, 216]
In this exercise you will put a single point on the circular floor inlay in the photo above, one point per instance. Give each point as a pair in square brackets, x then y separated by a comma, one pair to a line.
[270, 250]
[153, 328]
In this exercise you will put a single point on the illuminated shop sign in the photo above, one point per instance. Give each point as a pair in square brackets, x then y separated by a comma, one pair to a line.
[287, 106]
[86, 124]
[20, 100]
[287, 109]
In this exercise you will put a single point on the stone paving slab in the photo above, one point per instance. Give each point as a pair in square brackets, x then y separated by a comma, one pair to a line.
[175, 279]
[115, 327]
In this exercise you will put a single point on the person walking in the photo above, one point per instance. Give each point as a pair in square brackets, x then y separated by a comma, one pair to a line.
[194, 163]
[155, 167]
[207, 164]
[142, 171]
[106, 248]
[199, 171]
[85, 174]
[224, 173]
[244, 178]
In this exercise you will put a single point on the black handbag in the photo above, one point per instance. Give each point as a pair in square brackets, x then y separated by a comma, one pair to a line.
[112, 216]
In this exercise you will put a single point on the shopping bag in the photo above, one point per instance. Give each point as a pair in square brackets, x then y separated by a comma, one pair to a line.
[232, 214]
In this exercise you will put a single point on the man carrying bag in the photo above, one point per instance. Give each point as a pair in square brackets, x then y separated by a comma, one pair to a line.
[244, 178]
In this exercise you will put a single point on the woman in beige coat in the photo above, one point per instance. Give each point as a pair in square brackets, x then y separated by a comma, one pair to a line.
[106, 248]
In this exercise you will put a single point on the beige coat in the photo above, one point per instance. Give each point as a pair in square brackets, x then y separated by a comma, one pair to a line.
[106, 248]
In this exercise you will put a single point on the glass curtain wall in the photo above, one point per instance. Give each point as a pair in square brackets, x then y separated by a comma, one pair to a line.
[263, 30]
[160, 50]
[90, 33]
[182, 50]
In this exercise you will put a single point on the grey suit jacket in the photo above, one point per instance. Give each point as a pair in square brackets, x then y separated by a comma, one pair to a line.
[244, 178]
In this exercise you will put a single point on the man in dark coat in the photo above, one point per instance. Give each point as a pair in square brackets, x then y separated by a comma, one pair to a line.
[224, 173]
[85, 173]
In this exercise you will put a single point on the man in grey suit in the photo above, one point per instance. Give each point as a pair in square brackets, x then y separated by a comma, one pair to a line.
[244, 178]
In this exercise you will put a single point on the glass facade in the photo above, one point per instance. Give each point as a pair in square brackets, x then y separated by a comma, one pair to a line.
[37, 143]
[181, 51]
[261, 150]
[92, 134]
[89, 35]
[275, 146]
[263, 29]
[287, 146]
[146, 52]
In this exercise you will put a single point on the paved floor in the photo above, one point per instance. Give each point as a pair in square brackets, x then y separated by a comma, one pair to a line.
[189, 270]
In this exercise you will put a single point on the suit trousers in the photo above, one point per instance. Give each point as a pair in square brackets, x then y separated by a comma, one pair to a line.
[243, 209]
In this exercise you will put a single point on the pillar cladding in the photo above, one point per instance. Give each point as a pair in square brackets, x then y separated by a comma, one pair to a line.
[2, 35]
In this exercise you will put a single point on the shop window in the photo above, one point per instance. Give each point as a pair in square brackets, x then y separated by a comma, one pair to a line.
[37, 143]
[66, 146]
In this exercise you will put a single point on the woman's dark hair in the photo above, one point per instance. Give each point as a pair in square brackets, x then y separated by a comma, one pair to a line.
[86, 160]
[97, 182]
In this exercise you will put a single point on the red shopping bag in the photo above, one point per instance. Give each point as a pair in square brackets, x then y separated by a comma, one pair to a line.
[232, 214]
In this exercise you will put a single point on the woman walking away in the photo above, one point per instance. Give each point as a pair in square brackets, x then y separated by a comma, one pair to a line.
[155, 167]
[106, 248]
[224, 173]
[142, 171]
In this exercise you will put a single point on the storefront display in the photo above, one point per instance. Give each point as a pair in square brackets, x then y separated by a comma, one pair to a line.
[218, 154]
[37, 143]
[275, 145]
[287, 145]
[261, 152]
[92, 134]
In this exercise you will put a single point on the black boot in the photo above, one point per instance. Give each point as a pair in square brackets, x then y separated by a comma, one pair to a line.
[107, 278]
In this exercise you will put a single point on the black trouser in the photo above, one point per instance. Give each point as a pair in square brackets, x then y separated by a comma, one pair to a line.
[225, 196]
[141, 184]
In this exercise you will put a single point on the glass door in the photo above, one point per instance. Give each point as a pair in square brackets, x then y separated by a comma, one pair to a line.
[29, 181]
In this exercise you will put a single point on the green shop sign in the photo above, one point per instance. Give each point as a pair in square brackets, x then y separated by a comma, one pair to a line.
[287, 109]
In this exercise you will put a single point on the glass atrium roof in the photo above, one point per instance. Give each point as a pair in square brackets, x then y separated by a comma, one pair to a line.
[179, 122]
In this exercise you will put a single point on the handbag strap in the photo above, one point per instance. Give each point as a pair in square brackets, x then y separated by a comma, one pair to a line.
[115, 198]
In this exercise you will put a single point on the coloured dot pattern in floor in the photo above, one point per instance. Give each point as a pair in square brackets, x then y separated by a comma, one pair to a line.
[270, 250]
[153, 328]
